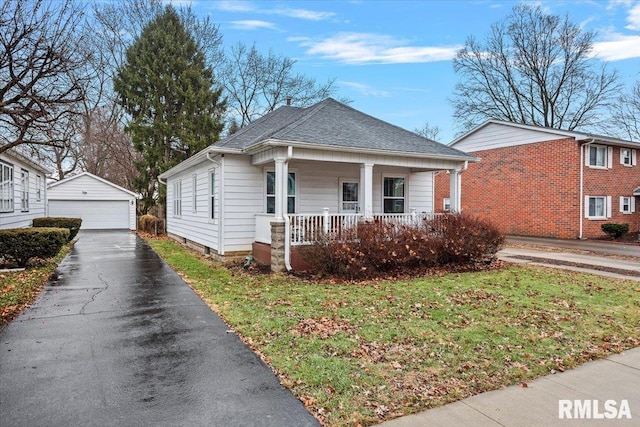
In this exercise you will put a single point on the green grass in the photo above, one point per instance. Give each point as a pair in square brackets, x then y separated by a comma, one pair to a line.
[19, 288]
[362, 353]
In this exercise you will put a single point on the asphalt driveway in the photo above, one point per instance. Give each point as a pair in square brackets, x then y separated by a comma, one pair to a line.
[120, 340]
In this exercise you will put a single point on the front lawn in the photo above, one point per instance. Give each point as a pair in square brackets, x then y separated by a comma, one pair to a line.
[363, 353]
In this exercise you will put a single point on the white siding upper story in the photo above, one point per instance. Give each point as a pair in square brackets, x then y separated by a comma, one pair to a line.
[317, 186]
[498, 135]
[19, 207]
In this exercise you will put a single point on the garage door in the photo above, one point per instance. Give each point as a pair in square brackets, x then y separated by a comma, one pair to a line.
[95, 214]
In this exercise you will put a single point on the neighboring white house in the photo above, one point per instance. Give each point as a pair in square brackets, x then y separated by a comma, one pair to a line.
[100, 203]
[299, 167]
[23, 190]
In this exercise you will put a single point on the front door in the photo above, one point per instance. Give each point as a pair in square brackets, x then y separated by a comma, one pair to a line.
[349, 191]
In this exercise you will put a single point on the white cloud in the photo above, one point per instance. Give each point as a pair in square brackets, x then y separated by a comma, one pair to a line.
[618, 47]
[634, 18]
[361, 48]
[234, 6]
[245, 7]
[364, 89]
[252, 25]
[309, 15]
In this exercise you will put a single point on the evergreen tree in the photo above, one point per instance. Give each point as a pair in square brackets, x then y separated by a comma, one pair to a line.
[168, 91]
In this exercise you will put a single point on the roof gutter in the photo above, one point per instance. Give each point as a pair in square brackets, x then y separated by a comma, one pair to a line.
[583, 148]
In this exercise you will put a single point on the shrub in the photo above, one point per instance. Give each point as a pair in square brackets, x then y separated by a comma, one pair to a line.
[377, 248]
[151, 224]
[21, 244]
[615, 230]
[73, 224]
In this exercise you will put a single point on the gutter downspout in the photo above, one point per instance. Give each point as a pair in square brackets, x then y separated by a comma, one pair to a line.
[220, 165]
[287, 223]
[582, 207]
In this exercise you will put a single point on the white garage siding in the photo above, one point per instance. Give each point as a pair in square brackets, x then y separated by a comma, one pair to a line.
[101, 204]
[95, 214]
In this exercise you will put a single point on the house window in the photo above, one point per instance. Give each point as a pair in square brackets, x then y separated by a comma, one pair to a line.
[627, 157]
[598, 207]
[38, 188]
[6, 187]
[194, 193]
[177, 198]
[212, 194]
[393, 195]
[24, 190]
[446, 204]
[597, 156]
[627, 205]
[349, 197]
[271, 192]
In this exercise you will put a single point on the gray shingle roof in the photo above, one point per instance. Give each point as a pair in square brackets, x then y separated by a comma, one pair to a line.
[330, 123]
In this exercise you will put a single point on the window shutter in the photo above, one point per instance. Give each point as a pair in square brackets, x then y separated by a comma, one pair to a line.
[621, 203]
[633, 204]
[609, 157]
[608, 206]
[586, 206]
[633, 157]
[586, 155]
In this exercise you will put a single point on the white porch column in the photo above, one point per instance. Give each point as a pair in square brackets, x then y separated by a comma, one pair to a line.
[281, 172]
[366, 190]
[454, 190]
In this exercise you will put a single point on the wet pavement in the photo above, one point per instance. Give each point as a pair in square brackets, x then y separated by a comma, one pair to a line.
[120, 340]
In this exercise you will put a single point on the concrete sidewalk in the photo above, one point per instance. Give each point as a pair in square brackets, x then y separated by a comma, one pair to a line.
[616, 378]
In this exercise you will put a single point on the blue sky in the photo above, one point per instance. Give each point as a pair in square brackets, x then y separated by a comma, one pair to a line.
[393, 58]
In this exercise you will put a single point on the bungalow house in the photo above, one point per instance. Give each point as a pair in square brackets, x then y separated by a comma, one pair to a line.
[267, 187]
[23, 192]
[536, 181]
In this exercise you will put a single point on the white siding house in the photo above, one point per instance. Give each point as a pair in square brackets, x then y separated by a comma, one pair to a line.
[298, 165]
[100, 203]
[23, 192]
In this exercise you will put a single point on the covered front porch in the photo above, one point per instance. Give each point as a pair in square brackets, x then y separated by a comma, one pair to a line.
[313, 194]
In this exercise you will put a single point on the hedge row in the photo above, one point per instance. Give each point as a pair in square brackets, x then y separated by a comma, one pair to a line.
[18, 245]
[73, 224]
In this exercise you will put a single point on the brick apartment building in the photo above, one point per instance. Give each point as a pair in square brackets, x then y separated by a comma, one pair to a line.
[536, 181]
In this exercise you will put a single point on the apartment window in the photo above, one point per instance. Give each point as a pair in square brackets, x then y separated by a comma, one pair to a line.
[38, 188]
[177, 198]
[194, 193]
[627, 157]
[599, 156]
[349, 197]
[6, 187]
[24, 190]
[627, 205]
[598, 207]
[212, 194]
[271, 192]
[446, 204]
[393, 195]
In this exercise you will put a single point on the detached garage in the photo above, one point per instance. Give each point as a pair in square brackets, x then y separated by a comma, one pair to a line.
[101, 204]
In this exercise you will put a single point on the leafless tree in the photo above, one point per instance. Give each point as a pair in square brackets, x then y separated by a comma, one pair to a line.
[535, 69]
[428, 131]
[256, 84]
[625, 115]
[40, 85]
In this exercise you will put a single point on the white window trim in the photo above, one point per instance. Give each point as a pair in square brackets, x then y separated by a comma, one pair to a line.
[607, 207]
[446, 204]
[608, 156]
[406, 190]
[297, 188]
[211, 202]
[38, 188]
[24, 190]
[631, 204]
[10, 192]
[342, 181]
[632, 157]
[177, 199]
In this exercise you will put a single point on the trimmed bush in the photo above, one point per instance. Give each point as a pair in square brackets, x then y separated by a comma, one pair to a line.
[73, 224]
[151, 224]
[21, 244]
[615, 230]
[378, 249]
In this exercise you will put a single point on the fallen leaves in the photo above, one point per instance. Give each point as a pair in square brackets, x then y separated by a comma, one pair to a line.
[324, 327]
